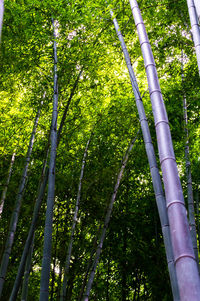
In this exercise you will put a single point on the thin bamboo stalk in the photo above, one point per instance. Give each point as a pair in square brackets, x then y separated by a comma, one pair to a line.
[195, 29]
[185, 263]
[69, 250]
[46, 261]
[40, 194]
[3, 196]
[106, 221]
[27, 273]
[155, 175]
[15, 214]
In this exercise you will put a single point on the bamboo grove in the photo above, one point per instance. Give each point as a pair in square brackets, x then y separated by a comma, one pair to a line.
[100, 140]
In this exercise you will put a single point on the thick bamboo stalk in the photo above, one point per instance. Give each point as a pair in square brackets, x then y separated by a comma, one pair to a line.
[27, 273]
[155, 175]
[69, 250]
[106, 222]
[185, 263]
[15, 214]
[195, 28]
[3, 196]
[197, 6]
[46, 260]
[190, 197]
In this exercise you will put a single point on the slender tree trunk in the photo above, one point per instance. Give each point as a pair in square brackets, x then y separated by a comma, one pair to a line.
[195, 28]
[1, 16]
[27, 273]
[46, 261]
[41, 191]
[55, 254]
[155, 175]
[69, 251]
[106, 222]
[15, 214]
[3, 196]
[190, 197]
[185, 263]
[67, 106]
[88, 266]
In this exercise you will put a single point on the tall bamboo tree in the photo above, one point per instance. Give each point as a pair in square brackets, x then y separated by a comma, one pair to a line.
[195, 28]
[40, 194]
[106, 221]
[15, 214]
[3, 196]
[185, 263]
[46, 261]
[69, 250]
[156, 179]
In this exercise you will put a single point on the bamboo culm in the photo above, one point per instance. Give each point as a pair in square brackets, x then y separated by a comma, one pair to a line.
[197, 6]
[106, 222]
[195, 29]
[27, 273]
[15, 214]
[46, 260]
[190, 196]
[69, 250]
[40, 195]
[155, 175]
[184, 258]
[38, 203]
[3, 196]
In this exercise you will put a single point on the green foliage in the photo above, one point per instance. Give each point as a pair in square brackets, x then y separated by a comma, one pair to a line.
[133, 257]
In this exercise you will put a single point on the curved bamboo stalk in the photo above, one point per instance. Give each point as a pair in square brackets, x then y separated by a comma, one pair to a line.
[69, 250]
[106, 221]
[3, 196]
[46, 260]
[185, 263]
[155, 175]
[195, 29]
[15, 214]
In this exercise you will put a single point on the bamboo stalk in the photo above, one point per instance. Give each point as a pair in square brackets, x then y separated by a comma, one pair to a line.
[155, 175]
[46, 260]
[69, 250]
[27, 273]
[106, 222]
[15, 214]
[3, 196]
[195, 28]
[185, 263]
